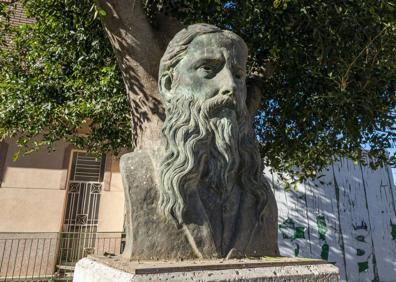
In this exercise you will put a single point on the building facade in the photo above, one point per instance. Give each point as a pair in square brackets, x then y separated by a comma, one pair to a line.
[60, 206]
[57, 207]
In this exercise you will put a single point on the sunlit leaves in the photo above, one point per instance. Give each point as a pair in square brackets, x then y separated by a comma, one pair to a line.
[329, 75]
[59, 81]
[328, 71]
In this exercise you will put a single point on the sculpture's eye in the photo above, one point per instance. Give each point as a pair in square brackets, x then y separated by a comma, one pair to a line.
[208, 67]
[207, 70]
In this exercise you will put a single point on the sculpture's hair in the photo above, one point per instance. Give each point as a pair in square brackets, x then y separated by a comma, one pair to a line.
[187, 132]
[177, 47]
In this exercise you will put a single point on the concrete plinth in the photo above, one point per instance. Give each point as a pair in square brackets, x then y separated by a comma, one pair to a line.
[116, 269]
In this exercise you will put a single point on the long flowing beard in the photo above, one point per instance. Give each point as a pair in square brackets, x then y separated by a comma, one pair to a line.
[184, 134]
[223, 160]
[205, 143]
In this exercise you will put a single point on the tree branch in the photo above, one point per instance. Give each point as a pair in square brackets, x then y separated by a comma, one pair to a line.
[138, 48]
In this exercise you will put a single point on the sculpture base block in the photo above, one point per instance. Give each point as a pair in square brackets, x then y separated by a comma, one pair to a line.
[103, 269]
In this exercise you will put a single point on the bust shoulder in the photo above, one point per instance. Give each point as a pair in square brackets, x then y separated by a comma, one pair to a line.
[138, 169]
[136, 157]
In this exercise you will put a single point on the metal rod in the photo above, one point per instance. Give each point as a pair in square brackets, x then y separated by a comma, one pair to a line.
[30, 251]
[96, 245]
[23, 257]
[48, 257]
[84, 211]
[8, 260]
[3, 252]
[71, 203]
[24, 249]
[42, 255]
[15, 260]
[88, 210]
[35, 257]
[67, 241]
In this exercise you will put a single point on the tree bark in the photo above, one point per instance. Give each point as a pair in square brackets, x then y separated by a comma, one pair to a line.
[138, 48]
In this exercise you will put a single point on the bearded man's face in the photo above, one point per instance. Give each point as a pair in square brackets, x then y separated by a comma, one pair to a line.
[206, 130]
[213, 73]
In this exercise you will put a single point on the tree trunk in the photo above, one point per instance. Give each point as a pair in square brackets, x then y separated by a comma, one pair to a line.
[138, 48]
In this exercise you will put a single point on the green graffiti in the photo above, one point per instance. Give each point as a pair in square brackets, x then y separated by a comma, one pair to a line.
[287, 223]
[393, 232]
[322, 227]
[299, 233]
[325, 251]
[360, 252]
[289, 230]
[363, 266]
[297, 250]
[286, 228]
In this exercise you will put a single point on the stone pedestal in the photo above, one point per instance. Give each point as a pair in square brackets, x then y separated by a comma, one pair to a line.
[116, 269]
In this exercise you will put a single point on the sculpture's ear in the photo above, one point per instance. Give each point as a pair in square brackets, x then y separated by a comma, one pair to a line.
[254, 94]
[165, 84]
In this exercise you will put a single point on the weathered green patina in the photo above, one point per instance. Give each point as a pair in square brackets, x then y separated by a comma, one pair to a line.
[202, 194]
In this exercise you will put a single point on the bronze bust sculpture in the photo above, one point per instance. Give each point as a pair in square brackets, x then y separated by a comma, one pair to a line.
[203, 195]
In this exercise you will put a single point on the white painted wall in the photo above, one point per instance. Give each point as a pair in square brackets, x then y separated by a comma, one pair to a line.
[349, 219]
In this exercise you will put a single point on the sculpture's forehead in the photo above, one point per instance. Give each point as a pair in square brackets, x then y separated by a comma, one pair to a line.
[215, 43]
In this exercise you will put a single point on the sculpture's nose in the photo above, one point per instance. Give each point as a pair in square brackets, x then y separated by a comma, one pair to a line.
[227, 80]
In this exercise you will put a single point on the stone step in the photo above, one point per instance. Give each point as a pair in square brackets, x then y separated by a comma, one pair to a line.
[63, 267]
[60, 279]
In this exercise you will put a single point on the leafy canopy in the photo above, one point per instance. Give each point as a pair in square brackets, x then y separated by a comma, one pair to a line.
[59, 80]
[327, 69]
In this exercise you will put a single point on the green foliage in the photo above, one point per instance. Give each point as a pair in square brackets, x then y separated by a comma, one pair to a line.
[4, 22]
[328, 70]
[59, 81]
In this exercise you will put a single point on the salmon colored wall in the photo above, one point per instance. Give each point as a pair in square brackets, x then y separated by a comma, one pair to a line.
[40, 170]
[111, 209]
[31, 210]
[32, 199]
[30, 196]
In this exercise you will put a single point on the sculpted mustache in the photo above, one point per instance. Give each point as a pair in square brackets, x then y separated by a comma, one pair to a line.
[217, 102]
